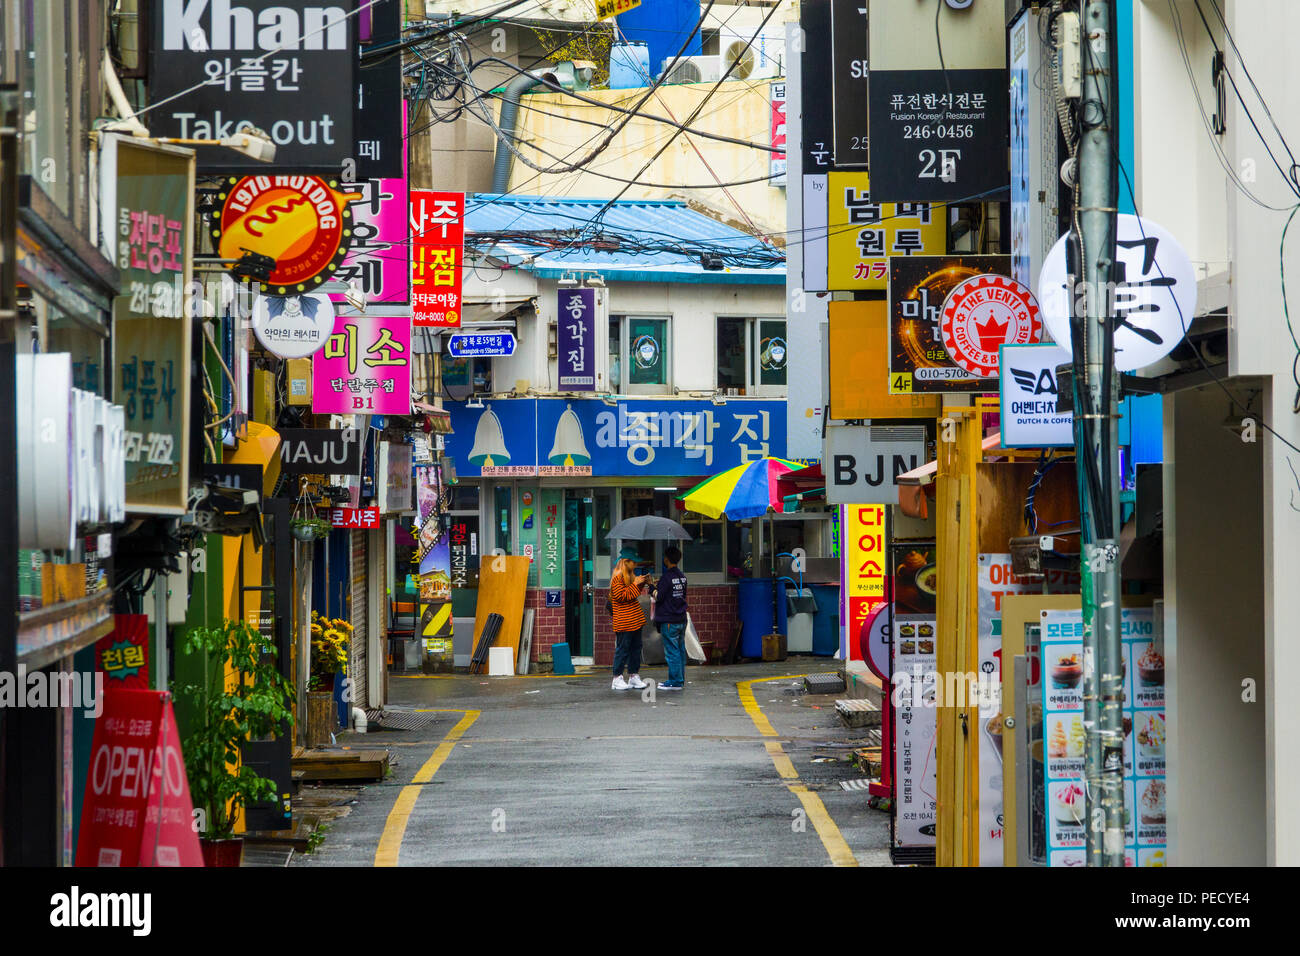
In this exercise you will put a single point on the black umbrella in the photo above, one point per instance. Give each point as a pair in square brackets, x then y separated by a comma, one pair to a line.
[648, 528]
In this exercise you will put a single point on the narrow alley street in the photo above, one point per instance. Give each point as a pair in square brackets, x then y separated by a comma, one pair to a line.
[564, 771]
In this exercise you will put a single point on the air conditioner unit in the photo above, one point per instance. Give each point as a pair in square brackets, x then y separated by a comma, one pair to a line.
[759, 57]
[694, 69]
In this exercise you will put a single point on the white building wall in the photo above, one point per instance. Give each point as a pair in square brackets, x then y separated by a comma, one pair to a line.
[1182, 184]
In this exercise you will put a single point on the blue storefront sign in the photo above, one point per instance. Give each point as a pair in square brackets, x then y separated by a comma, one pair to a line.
[480, 344]
[555, 437]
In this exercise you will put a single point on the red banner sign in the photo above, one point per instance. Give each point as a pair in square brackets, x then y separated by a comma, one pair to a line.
[354, 517]
[137, 810]
[437, 250]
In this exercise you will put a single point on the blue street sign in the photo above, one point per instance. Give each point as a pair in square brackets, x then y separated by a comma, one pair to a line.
[473, 344]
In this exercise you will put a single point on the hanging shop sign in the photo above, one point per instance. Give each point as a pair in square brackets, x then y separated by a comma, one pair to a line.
[292, 326]
[437, 253]
[396, 491]
[286, 69]
[151, 362]
[137, 809]
[1154, 299]
[865, 566]
[147, 195]
[354, 518]
[862, 234]
[918, 290]
[479, 344]
[943, 134]
[848, 62]
[982, 314]
[377, 261]
[365, 367]
[915, 695]
[862, 462]
[320, 451]
[611, 8]
[380, 151]
[576, 311]
[1065, 739]
[301, 223]
[557, 438]
[122, 655]
[777, 162]
[1029, 393]
[816, 112]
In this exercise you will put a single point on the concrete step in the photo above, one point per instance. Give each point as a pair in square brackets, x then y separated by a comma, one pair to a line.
[858, 713]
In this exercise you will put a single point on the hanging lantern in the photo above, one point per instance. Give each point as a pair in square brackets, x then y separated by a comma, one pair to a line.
[570, 447]
[489, 443]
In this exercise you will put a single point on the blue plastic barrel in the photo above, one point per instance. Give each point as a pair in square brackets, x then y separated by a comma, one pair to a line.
[755, 612]
[826, 623]
[629, 66]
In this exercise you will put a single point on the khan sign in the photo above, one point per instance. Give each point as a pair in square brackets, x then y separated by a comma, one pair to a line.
[320, 451]
[286, 69]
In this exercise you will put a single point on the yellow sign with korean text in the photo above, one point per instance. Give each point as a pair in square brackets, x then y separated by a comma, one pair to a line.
[864, 541]
[609, 8]
[863, 234]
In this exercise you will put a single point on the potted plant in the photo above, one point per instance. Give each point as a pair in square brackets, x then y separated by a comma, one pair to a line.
[330, 638]
[309, 529]
[244, 696]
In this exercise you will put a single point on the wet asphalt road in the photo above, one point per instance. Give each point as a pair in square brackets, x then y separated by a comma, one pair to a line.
[564, 771]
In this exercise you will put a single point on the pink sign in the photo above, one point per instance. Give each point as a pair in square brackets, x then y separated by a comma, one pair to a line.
[364, 368]
[378, 261]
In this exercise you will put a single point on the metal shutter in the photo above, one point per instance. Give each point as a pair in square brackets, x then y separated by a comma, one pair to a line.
[357, 668]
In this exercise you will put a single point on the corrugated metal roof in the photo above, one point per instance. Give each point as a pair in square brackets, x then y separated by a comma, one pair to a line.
[627, 226]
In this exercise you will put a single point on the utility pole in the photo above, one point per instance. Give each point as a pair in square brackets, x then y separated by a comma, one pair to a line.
[1096, 433]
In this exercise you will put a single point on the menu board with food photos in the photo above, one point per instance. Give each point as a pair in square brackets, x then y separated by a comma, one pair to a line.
[914, 694]
[1065, 738]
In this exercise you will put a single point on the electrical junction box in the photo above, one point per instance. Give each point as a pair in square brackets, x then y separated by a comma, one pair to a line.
[298, 381]
[263, 396]
[1069, 78]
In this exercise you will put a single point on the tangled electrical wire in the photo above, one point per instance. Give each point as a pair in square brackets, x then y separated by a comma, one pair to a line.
[751, 255]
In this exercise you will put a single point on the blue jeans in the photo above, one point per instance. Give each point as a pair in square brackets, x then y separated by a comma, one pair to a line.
[627, 652]
[675, 650]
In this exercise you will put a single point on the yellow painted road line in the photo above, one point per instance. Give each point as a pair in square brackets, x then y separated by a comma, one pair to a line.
[390, 843]
[837, 848]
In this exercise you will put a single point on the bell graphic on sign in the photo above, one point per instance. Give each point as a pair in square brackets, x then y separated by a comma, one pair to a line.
[570, 447]
[489, 443]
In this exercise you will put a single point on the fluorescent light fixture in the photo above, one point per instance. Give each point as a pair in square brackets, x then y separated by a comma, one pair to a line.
[666, 488]
[252, 142]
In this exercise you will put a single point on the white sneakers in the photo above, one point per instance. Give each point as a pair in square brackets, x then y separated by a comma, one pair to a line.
[620, 684]
[636, 683]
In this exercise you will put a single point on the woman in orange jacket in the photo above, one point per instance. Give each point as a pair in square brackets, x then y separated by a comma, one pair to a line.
[624, 589]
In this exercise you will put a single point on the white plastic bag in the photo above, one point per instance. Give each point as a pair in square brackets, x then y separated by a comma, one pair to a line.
[693, 649]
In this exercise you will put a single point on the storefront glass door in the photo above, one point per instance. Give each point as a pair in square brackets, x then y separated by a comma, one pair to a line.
[579, 572]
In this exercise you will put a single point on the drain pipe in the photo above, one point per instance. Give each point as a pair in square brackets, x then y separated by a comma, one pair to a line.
[359, 723]
[509, 119]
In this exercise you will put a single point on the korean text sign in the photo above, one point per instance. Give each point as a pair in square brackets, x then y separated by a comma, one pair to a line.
[577, 339]
[524, 437]
[152, 209]
[865, 567]
[287, 69]
[437, 250]
[863, 233]
[137, 809]
[365, 367]
[378, 260]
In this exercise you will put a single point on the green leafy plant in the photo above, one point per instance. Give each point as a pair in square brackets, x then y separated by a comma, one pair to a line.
[244, 696]
[309, 529]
